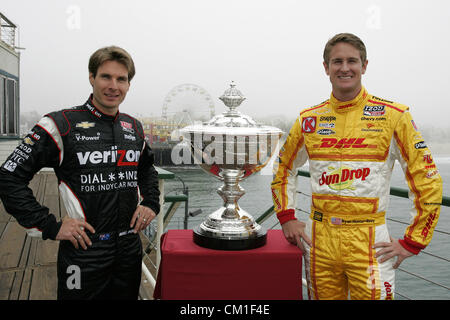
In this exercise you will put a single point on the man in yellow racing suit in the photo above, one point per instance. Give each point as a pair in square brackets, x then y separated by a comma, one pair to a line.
[351, 142]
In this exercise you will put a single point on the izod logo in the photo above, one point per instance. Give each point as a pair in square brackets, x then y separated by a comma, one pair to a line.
[374, 111]
[343, 178]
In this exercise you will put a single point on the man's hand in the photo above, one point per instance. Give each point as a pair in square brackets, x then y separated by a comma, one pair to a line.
[390, 250]
[142, 218]
[294, 231]
[73, 230]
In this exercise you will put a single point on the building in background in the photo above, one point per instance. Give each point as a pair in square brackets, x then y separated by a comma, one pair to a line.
[9, 88]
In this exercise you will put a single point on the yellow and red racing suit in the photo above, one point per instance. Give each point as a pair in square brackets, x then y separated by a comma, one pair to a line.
[351, 148]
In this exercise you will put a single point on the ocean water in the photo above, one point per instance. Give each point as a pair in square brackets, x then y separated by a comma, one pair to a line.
[203, 195]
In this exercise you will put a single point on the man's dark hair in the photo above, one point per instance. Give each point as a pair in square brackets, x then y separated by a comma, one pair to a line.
[111, 53]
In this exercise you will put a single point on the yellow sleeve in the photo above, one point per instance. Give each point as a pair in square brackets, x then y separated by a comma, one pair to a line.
[424, 181]
[292, 155]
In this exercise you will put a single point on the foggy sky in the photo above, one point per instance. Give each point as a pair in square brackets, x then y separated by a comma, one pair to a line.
[271, 49]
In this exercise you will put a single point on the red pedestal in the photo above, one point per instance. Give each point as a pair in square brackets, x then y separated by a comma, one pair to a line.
[190, 272]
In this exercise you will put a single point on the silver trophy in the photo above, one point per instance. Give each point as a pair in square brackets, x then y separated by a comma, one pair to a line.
[231, 147]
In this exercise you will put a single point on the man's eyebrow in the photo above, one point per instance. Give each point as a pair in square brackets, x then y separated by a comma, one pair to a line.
[106, 74]
[349, 58]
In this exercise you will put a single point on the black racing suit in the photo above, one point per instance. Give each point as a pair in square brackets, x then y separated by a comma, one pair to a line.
[104, 168]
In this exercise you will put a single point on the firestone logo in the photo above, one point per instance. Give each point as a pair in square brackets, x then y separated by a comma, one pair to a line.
[343, 178]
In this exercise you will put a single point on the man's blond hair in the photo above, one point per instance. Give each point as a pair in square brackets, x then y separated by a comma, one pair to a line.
[347, 38]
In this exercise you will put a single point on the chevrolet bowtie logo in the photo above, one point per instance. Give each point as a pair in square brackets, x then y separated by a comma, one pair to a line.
[28, 140]
[85, 125]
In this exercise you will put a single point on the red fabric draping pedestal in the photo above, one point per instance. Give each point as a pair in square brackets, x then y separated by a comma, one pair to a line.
[190, 272]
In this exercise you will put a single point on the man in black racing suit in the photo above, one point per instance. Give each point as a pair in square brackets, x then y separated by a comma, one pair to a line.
[106, 179]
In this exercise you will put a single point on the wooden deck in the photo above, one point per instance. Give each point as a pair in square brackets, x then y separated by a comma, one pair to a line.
[28, 265]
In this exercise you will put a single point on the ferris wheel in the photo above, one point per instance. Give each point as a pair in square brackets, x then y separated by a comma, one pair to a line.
[186, 103]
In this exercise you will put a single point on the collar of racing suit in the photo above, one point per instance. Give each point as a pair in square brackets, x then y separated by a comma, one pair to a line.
[97, 113]
[346, 106]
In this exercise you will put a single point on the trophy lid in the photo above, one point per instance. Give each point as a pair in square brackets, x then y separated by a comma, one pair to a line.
[232, 121]
[232, 97]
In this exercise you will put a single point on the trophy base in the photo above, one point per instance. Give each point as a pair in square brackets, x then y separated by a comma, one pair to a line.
[254, 241]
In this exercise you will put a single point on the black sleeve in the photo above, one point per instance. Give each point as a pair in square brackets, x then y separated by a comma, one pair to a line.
[148, 180]
[37, 150]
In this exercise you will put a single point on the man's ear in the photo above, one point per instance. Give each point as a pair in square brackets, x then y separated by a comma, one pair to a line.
[325, 65]
[91, 78]
[364, 67]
